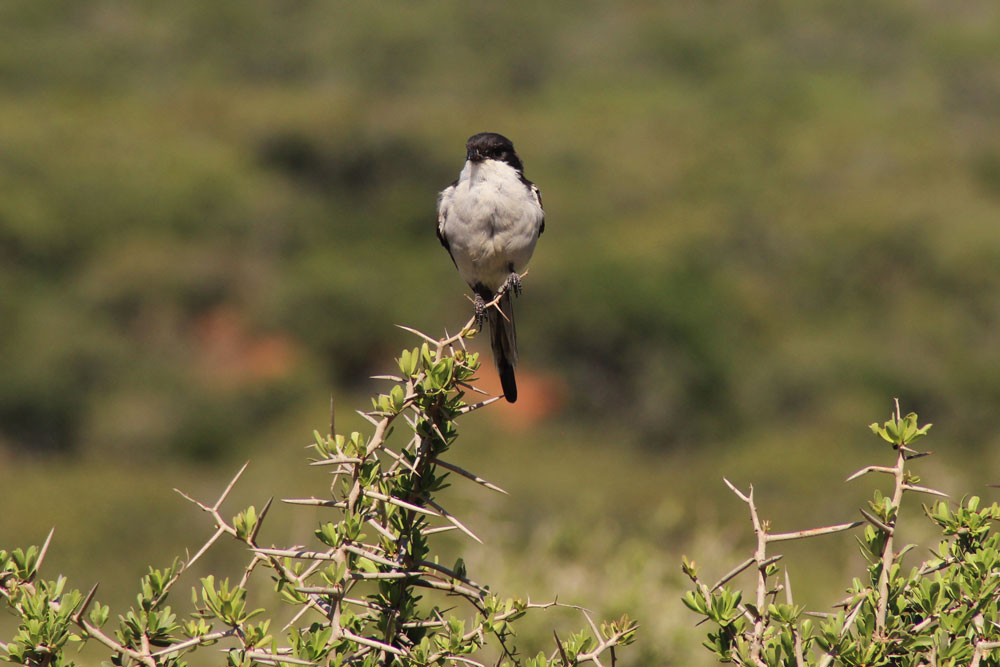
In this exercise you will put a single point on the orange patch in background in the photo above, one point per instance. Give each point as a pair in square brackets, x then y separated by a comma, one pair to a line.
[230, 355]
[539, 396]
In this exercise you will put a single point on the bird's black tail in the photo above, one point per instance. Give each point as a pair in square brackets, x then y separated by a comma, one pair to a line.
[503, 340]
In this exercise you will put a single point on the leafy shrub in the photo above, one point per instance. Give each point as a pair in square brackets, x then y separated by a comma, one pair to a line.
[942, 612]
[371, 592]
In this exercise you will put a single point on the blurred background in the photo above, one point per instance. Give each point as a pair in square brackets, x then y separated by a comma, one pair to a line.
[764, 221]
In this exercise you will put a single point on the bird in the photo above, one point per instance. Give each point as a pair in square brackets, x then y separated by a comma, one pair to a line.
[489, 221]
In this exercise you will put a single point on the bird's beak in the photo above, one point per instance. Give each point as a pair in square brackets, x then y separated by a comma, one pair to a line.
[473, 155]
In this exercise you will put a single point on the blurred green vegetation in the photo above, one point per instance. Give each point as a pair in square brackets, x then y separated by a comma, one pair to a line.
[764, 220]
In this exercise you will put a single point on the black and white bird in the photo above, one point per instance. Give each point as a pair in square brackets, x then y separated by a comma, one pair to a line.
[489, 221]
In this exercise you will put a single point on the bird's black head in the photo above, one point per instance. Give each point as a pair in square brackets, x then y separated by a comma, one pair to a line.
[492, 146]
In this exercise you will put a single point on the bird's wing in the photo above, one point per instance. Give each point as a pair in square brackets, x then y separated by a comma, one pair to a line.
[538, 196]
[444, 207]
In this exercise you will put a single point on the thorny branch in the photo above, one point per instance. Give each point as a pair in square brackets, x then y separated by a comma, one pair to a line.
[363, 589]
[932, 618]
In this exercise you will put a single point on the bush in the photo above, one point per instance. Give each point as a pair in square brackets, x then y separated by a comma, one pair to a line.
[942, 612]
[370, 592]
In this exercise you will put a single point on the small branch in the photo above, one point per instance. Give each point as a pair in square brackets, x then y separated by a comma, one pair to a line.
[194, 641]
[96, 633]
[205, 547]
[317, 502]
[257, 559]
[421, 334]
[295, 619]
[458, 524]
[813, 532]
[295, 553]
[369, 418]
[759, 558]
[742, 566]
[982, 648]
[800, 659]
[739, 493]
[477, 390]
[372, 643]
[448, 587]
[468, 475]
[390, 378]
[260, 520]
[83, 607]
[455, 658]
[375, 558]
[760, 625]
[873, 520]
[849, 621]
[398, 503]
[384, 532]
[922, 625]
[232, 484]
[602, 646]
[887, 549]
[365, 576]
[480, 404]
[277, 659]
[45, 550]
[559, 646]
[868, 469]
[924, 489]
[451, 573]
[336, 460]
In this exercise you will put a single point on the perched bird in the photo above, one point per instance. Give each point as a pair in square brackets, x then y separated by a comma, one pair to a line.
[489, 221]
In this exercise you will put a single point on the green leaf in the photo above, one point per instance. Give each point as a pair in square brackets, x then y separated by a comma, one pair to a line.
[397, 398]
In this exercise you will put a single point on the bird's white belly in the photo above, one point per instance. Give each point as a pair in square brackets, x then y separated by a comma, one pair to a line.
[491, 233]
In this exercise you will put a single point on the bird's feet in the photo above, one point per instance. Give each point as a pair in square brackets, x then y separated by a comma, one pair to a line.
[513, 283]
[480, 305]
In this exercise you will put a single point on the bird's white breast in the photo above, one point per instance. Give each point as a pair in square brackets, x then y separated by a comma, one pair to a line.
[491, 221]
